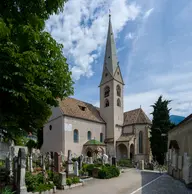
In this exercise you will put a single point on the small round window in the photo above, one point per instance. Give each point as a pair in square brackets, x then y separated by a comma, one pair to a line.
[50, 127]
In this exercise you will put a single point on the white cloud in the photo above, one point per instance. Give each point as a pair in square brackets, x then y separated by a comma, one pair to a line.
[129, 36]
[173, 86]
[148, 13]
[82, 28]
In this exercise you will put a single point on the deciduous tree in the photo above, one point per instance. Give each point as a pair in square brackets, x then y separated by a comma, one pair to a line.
[33, 70]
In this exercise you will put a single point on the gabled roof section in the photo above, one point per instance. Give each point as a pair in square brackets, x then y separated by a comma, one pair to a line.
[136, 116]
[79, 109]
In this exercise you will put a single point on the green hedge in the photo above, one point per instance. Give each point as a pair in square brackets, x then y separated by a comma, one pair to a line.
[125, 163]
[107, 172]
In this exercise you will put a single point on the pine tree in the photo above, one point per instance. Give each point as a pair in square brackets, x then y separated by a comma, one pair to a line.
[159, 130]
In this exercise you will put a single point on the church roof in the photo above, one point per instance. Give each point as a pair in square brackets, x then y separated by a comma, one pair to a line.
[136, 116]
[79, 109]
[125, 137]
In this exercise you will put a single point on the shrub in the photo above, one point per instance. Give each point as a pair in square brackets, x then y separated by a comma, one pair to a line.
[107, 172]
[98, 161]
[75, 180]
[43, 187]
[36, 183]
[31, 182]
[7, 190]
[74, 159]
[125, 163]
[56, 179]
[88, 168]
[50, 175]
[69, 181]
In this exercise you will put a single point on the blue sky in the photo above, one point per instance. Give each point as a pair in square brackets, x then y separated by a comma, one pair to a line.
[153, 40]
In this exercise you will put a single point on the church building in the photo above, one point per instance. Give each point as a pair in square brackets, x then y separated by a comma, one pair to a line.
[85, 129]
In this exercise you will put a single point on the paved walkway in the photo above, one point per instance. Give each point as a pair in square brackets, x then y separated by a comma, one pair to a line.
[132, 182]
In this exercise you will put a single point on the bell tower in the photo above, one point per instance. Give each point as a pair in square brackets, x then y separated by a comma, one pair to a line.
[111, 93]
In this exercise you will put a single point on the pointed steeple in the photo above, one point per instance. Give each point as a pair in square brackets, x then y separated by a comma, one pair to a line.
[110, 61]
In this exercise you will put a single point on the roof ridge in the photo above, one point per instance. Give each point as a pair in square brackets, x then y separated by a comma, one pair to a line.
[79, 100]
[132, 110]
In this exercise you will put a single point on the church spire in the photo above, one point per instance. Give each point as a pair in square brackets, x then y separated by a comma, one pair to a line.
[110, 61]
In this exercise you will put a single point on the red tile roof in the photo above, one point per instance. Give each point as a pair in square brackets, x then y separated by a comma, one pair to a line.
[73, 107]
[136, 116]
[76, 108]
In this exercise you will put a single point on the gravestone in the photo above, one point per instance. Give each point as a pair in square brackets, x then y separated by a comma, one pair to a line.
[49, 160]
[57, 161]
[76, 168]
[15, 164]
[30, 163]
[114, 163]
[186, 168]
[90, 160]
[62, 178]
[180, 162]
[105, 159]
[81, 161]
[69, 164]
[52, 161]
[21, 187]
[86, 159]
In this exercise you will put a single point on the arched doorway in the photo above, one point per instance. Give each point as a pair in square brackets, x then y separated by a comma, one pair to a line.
[131, 151]
[122, 151]
[89, 153]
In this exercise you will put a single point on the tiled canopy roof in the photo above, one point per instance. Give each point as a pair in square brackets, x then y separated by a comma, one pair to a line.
[76, 108]
[136, 116]
[93, 142]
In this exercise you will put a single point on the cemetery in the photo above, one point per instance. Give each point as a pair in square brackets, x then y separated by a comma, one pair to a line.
[25, 170]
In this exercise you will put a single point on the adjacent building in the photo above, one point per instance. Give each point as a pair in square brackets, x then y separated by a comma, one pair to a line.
[180, 150]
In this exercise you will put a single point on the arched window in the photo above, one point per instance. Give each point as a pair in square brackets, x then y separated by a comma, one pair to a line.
[118, 102]
[106, 102]
[89, 135]
[118, 88]
[140, 142]
[106, 91]
[76, 136]
[101, 137]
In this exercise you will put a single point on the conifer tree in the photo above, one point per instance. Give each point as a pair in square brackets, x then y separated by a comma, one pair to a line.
[159, 130]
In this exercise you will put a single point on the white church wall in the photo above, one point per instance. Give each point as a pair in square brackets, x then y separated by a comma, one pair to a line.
[128, 129]
[146, 146]
[83, 127]
[56, 112]
[53, 136]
